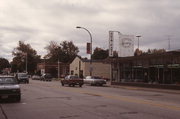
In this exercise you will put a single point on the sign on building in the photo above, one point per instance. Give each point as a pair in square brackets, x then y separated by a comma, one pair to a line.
[125, 44]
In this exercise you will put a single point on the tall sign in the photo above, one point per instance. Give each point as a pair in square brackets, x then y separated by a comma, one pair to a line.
[111, 38]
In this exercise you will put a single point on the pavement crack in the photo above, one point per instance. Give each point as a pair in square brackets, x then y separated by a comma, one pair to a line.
[124, 113]
[68, 98]
[70, 116]
[3, 112]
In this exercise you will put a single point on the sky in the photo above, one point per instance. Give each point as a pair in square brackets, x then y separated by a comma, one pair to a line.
[37, 22]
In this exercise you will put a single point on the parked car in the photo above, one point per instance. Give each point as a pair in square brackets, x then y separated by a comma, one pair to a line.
[36, 77]
[22, 77]
[72, 80]
[9, 88]
[94, 80]
[46, 77]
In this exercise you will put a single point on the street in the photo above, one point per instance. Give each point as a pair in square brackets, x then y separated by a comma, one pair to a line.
[50, 100]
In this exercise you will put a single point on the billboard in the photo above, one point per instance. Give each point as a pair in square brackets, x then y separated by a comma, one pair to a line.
[125, 44]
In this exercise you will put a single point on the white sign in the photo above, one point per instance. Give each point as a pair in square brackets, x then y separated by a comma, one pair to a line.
[111, 38]
[126, 46]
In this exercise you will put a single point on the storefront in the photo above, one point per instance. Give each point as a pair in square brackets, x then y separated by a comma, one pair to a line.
[163, 68]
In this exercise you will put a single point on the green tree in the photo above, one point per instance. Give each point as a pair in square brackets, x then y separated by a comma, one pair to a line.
[4, 63]
[99, 54]
[65, 51]
[20, 53]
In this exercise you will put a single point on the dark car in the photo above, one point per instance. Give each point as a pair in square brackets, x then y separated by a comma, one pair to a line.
[9, 88]
[72, 80]
[46, 77]
[22, 77]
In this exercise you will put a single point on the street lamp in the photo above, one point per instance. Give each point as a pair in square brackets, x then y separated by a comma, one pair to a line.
[138, 40]
[90, 70]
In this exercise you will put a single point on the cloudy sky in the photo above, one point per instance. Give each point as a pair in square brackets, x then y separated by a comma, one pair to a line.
[38, 22]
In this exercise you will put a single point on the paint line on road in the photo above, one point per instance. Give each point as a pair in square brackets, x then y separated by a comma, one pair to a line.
[125, 99]
[120, 98]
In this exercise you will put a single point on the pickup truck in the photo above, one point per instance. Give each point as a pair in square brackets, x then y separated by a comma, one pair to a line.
[72, 80]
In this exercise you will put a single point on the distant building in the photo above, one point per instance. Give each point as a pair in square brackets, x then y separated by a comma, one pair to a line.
[52, 68]
[81, 67]
[163, 68]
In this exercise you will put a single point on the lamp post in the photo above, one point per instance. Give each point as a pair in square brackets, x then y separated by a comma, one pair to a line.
[138, 40]
[90, 70]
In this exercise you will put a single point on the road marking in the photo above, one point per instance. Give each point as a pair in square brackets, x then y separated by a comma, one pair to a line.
[125, 99]
[120, 98]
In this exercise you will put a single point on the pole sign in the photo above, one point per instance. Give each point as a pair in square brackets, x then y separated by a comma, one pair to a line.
[111, 44]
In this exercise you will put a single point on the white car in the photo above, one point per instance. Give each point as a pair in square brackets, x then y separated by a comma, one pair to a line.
[9, 88]
[94, 80]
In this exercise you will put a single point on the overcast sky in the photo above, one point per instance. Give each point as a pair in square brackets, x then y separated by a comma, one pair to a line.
[38, 22]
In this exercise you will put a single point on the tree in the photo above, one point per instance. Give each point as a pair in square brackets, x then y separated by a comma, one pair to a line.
[20, 53]
[4, 63]
[155, 51]
[99, 54]
[65, 51]
[138, 52]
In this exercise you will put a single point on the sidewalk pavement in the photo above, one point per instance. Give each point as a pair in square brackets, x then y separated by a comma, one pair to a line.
[171, 91]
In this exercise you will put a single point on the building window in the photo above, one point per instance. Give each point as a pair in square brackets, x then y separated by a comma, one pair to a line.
[72, 72]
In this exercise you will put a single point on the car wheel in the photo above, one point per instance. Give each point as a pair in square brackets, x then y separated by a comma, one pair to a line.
[80, 85]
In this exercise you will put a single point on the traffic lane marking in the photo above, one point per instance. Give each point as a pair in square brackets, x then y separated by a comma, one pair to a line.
[120, 98]
[123, 98]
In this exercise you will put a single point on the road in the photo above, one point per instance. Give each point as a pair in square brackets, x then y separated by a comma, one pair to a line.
[49, 100]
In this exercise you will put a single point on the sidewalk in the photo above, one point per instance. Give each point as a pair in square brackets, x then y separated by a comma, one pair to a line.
[140, 88]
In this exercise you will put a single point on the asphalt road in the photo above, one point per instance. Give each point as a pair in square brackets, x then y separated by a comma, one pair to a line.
[49, 100]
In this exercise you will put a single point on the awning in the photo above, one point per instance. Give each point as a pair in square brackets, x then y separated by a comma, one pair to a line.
[157, 66]
[173, 66]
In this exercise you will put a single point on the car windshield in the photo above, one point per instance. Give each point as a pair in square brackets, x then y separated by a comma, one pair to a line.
[7, 80]
[74, 76]
[96, 77]
[22, 75]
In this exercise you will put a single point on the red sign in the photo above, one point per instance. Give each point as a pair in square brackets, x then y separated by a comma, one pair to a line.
[88, 48]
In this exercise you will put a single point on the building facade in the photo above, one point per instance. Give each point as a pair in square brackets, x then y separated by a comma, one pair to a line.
[82, 67]
[52, 68]
[163, 68]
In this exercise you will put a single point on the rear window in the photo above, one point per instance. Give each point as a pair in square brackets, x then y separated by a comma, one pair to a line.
[74, 77]
[22, 75]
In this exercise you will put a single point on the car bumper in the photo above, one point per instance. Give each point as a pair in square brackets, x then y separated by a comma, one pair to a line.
[8, 96]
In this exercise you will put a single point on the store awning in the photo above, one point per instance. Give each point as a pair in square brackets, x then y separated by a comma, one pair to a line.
[174, 66]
